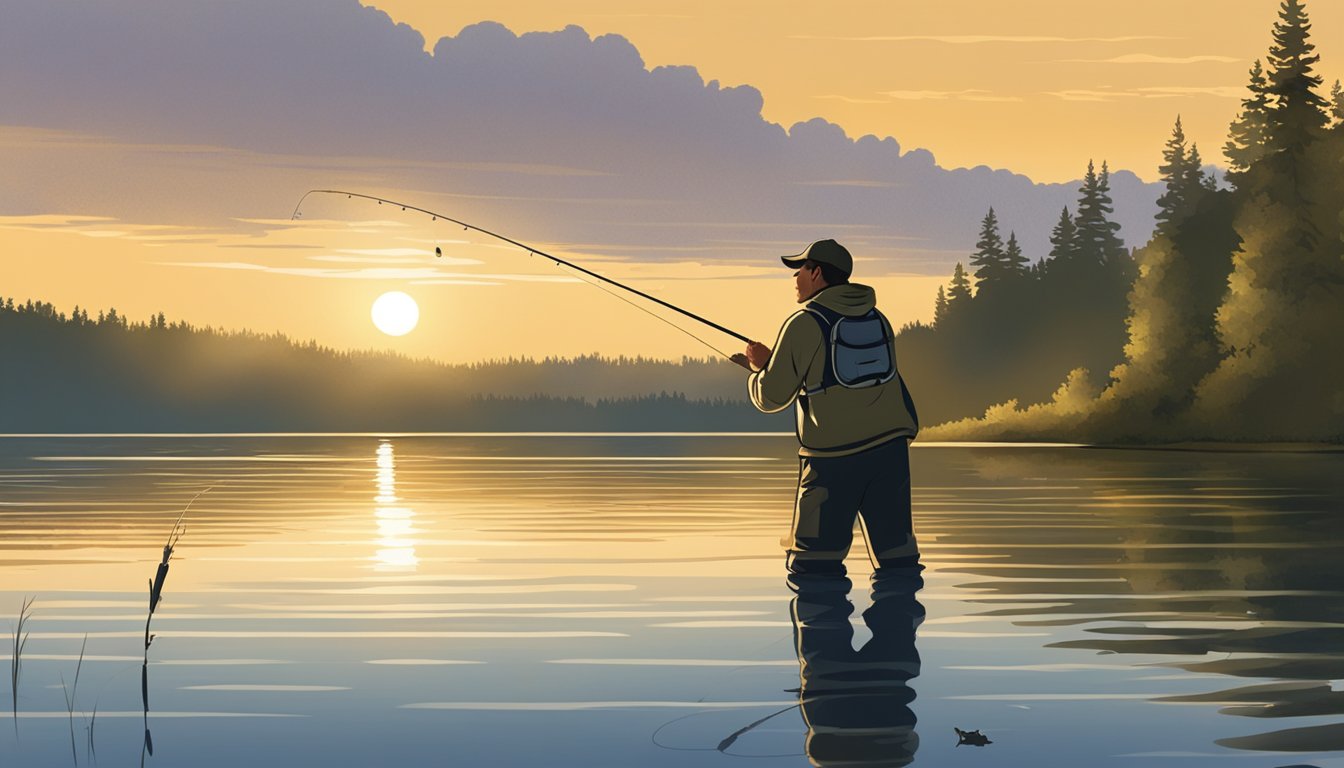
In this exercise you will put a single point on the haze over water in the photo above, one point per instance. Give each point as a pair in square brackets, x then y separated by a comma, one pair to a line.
[619, 600]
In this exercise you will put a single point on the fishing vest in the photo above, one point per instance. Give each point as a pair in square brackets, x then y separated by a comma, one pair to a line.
[858, 349]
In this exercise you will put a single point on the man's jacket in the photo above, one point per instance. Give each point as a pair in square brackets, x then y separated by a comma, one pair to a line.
[838, 421]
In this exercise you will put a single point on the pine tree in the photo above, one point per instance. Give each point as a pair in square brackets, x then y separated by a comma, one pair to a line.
[959, 294]
[1174, 170]
[1014, 262]
[1281, 317]
[1247, 134]
[1194, 174]
[1089, 249]
[1184, 178]
[1336, 107]
[1112, 247]
[1298, 113]
[988, 257]
[1063, 242]
[1098, 241]
[939, 307]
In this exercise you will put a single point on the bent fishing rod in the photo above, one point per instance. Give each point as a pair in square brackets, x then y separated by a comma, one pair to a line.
[537, 252]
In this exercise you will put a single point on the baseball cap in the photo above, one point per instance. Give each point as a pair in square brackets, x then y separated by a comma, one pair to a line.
[823, 252]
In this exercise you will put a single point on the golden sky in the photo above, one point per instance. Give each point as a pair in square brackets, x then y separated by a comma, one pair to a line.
[1031, 85]
[159, 154]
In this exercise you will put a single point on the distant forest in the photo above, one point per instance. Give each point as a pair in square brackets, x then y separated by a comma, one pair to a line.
[1233, 325]
[1227, 325]
[77, 372]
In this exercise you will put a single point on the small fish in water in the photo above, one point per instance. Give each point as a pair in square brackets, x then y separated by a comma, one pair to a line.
[974, 738]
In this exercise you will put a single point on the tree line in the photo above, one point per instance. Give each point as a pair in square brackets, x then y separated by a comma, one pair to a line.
[1014, 327]
[1234, 318]
[79, 372]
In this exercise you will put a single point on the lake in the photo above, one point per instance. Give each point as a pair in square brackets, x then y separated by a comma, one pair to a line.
[621, 600]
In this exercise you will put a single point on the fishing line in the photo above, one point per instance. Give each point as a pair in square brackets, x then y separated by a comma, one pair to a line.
[652, 314]
[727, 742]
[724, 744]
[558, 261]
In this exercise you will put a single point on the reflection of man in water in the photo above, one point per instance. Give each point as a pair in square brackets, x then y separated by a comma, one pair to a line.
[857, 703]
[854, 439]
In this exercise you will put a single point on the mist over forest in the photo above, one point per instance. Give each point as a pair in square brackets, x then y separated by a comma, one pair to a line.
[78, 372]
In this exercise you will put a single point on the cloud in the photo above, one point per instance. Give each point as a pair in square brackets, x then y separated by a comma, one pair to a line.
[1147, 58]
[850, 99]
[982, 39]
[970, 94]
[1083, 94]
[390, 260]
[389, 256]
[1150, 92]
[1218, 91]
[417, 274]
[219, 115]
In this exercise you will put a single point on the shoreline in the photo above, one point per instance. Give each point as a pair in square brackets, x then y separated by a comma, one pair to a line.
[1184, 446]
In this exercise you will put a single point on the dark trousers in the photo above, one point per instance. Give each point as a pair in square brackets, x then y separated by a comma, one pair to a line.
[857, 704]
[873, 485]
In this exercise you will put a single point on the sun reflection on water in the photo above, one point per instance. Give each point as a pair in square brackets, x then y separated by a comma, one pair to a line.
[396, 523]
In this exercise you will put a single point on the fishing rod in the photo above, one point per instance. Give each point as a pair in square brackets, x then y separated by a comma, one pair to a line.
[535, 251]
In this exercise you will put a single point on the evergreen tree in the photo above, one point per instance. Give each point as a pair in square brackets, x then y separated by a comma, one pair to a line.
[1015, 264]
[1247, 134]
[939, 307]
[1336, 106]
[1098, 241]
[1112, 247]
[1184, 178]
[1281, 319]
[1063, 242]
[959, 294]
[1089, 249]
[1174, 170]
[1297, 115]
[1194, 174]
[988, 258]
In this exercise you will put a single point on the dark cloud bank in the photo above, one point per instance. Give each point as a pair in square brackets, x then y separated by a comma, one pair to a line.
[561, 136]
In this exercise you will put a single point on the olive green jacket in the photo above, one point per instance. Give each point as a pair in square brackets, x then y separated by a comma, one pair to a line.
[838, 421]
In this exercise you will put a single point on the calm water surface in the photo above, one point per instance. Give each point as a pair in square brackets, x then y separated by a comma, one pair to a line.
[609, 600]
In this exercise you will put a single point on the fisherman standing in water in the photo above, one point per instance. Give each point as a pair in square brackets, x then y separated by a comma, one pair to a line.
[836, 359]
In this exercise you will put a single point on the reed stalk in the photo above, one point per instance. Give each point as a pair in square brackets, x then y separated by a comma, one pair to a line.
[16, 661]
[71, 694]
[155, 595]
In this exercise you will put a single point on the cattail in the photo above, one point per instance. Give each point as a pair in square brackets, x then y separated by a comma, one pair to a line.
[161, 573]
[155, 595]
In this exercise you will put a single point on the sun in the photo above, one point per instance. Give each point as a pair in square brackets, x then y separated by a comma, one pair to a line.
[395, 313]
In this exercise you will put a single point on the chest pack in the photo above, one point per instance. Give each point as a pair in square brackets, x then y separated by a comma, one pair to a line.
[858, 349]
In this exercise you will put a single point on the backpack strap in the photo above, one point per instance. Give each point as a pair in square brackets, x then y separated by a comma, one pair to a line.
[826, 318]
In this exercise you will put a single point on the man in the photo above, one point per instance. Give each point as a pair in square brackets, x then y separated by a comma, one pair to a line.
[854, 455]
